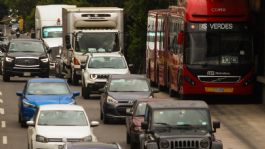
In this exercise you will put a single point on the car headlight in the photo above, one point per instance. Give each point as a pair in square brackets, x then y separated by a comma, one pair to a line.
[111, 100]
[45, 60]
[42, 139]
[164, 144]
[93, 76]
[204, 143]
[27, 104]
[9, 59]
[87, 139]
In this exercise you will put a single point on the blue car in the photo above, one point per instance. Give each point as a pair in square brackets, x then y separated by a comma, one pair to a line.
[42, 91]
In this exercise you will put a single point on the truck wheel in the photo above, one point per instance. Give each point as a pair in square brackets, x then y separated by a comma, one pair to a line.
[6, 78]
[85, 92]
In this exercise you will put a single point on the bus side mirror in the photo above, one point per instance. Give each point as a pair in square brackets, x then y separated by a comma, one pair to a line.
[180, 38]
[67, 41]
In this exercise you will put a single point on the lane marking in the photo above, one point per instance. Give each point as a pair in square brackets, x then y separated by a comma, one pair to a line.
[4, 139]
[2, 111]
[1, 101]
[3, 124]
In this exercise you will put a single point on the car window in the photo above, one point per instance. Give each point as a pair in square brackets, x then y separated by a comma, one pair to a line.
[107, 62]
[43, 88]
[62, 118]
[22, 46]
[140, 110]
[129, 85]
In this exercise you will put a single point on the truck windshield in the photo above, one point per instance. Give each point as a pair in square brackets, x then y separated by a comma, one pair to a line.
[52, 32]
[218, 48]
[194, 118]
[97, 42]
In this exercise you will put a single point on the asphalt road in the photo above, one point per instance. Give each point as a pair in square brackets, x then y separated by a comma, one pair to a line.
[242, 125]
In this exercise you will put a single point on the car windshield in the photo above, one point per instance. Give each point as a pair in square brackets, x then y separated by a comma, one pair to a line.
[62, 118]
[129, 85]
[25, 46]
[47, 88]
[140, 111]
[52, 32]
[179, 118]
[107, 62]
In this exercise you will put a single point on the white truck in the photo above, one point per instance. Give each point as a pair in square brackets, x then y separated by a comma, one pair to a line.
[86, 30]
[48, 27]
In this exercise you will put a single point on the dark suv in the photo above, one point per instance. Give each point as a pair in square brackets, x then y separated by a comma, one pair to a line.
[25, 57]
[178, 125]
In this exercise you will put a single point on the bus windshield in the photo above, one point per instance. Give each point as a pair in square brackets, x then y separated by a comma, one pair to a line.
[218, 48]
[97, 42]
[52, 32]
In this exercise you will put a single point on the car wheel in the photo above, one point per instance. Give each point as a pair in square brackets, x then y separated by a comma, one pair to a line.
[128, 138]
[19, 117]
[23, 124]
[105, 119]
[135, 145]
[6, 78]
[101, 115]
[85, 92]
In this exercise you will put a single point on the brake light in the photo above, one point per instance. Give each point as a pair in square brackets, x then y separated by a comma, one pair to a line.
[76, 62]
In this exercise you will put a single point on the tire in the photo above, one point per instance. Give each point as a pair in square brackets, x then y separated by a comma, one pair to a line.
[135, 145]
[6, 78]
[128, 138]
[105, 119]
[23, 124]
[85, 92]
[101, 115]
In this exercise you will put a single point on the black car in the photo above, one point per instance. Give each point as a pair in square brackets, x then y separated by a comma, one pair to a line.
[120, 92]
[25, 57]
[93, 145]
[179, 124]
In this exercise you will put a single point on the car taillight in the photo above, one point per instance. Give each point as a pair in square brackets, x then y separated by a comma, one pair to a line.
[76, 62]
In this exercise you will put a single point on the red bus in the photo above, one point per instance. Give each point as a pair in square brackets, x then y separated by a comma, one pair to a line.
[201, 47]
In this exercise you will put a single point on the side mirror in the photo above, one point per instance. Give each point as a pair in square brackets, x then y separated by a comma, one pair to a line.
[129, 111]
[102, 90]
[76, 94]
[67, 41]
[144, 125]
[30, 123]
[49, 50]
[216, 124]
[19, 93]
[130, 65]
[94, 123]
[33, 35]
[83, 66]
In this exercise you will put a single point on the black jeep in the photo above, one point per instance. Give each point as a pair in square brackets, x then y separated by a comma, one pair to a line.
[179, 125]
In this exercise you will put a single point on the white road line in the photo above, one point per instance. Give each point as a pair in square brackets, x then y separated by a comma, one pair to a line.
[3, 124]
[2, 111]
[4, 139]
[1, 101]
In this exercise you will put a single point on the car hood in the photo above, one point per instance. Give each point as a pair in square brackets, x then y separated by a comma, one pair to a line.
[167, 133]
[108, 71]
[26, 54]
[53, 42]
[129, 95]
[63, 131]
[137, 120]
[49, 99]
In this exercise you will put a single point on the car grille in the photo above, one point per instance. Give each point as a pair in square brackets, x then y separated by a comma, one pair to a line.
[219, 79]
[27, 61]
[186, 143]
[122, 110]
[61, 140]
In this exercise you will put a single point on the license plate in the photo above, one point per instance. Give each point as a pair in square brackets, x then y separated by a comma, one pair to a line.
[26, 74]
[219, 90]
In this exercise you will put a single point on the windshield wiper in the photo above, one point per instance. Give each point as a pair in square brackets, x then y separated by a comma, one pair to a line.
[166, 124]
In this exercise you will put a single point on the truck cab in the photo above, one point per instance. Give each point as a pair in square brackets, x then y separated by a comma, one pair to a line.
[179, 124]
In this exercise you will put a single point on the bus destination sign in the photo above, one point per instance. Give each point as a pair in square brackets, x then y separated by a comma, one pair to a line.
[217, 27]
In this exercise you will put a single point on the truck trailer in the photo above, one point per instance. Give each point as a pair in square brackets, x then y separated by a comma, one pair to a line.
[86, 30]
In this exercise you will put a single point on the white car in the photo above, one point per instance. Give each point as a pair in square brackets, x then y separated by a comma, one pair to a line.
[55, 125]
[97, 69]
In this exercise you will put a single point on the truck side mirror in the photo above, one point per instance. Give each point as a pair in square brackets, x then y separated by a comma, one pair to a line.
[67, 41]
[216, 124]
[144, 125]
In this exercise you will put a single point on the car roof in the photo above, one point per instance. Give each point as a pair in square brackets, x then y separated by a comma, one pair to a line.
[127, 76]
[61, 107]
[45, 80]
[25, 40]
[92, 145]
[112, 54]
[173, 104]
